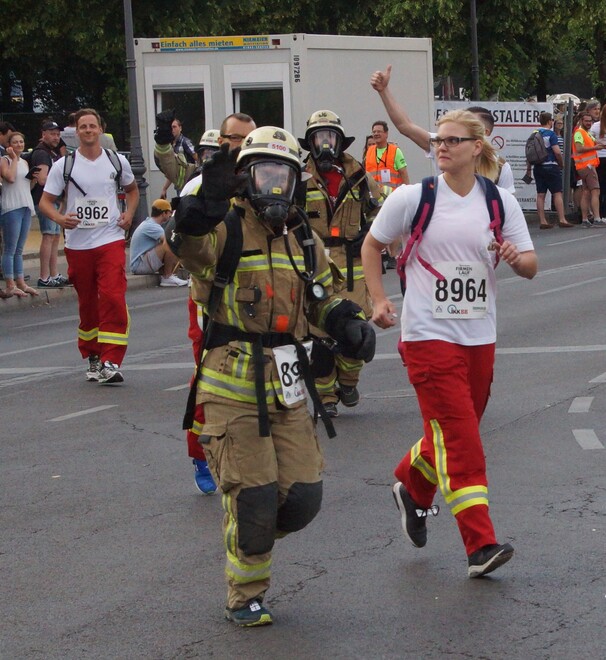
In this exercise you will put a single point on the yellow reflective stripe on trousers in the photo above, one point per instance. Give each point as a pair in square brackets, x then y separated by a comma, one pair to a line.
[117, 338]
[418, 462]
[245, 573]
[460, 499]
[237, 389]
[88, 335]
[230, 534]
[348, 365]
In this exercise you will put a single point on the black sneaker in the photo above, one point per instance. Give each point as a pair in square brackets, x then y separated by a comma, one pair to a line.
[414, 518]
[391, 263]
[486, 559]
[109, 374]
[252, 614]
[61, 280]
[348, 395]
[331, 409]
[93, 373]
[48, 283]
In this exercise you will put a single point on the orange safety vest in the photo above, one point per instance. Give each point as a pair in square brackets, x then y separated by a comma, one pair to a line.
[387, 162]
[587, 157]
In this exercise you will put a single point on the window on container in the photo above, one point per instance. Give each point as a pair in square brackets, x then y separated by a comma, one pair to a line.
[264, 105]
[189, 106]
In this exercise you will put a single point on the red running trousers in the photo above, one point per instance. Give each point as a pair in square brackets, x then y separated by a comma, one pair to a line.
[452, 383]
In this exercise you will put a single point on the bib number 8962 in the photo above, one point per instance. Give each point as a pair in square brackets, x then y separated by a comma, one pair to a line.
[92, 212]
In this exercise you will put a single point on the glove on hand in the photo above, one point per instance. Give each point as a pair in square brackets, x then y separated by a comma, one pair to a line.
[356, 243]
[164, 133]
[359, 340]
[219, 179]
[196, 217]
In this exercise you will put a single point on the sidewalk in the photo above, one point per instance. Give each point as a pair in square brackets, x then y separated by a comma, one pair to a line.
[31, 267]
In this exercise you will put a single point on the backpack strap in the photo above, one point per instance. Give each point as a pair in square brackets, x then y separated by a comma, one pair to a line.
[496, 211]
[115, 161]
[224, 274]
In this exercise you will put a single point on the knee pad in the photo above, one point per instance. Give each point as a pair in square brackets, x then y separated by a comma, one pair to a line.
[257, 508]
[300, 507]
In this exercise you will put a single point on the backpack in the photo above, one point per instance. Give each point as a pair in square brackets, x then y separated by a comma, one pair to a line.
[68, 166]
[423, 215]
[536, 151]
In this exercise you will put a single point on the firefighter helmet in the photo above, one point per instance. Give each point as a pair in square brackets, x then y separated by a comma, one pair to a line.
[327, 120]
[210, 138]
[270, 142]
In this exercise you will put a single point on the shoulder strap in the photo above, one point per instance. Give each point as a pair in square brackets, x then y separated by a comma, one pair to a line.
[68, 166]
[420, 222]
[115, 161]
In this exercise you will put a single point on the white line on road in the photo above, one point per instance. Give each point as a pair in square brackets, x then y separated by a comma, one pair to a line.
[88, 411]
[580, 404]
[11, 371]
[587, 438]
[37, 348]
[176, 388]
[568, 286]
[529, 350]
[599, 379]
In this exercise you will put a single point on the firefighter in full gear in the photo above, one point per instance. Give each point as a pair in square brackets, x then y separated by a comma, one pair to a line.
[341, 200]
[209, 144]
[254, 376]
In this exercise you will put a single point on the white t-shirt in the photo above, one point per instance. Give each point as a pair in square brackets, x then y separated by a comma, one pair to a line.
[17, 195]
[595, 131]
[99, 207]
[457, 237]
[505, 177]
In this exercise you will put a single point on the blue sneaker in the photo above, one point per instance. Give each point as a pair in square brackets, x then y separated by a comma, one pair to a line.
[203, 478]
[252, 614]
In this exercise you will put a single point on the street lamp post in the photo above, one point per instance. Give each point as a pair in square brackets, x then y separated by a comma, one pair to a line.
[136, 153]
[475, 66]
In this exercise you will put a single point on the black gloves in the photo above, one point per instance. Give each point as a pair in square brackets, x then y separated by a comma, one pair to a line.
[356, 243]
[219, 179]
[355, 336]
[164, 133]
[32, 172]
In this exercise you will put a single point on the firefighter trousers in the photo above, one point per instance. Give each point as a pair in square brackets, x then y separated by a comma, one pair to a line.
[270, 486]
[452, 383]
[99, 277]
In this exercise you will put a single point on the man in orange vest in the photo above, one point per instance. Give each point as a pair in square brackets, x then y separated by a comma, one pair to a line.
[584, 152]
[386, 164]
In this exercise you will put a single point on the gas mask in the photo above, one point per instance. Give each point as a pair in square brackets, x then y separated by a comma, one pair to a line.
[325, 147]
[204, 153]
[271, 189]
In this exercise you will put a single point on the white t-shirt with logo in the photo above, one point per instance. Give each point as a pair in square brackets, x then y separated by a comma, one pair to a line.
[461, 308]
[98, 208]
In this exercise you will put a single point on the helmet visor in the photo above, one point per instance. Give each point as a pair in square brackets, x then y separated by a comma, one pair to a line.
[273, 178]
[325, 138]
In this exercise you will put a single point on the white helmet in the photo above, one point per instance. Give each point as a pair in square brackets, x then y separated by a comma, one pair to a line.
[210, 138]
[325, 121]
[272, 142]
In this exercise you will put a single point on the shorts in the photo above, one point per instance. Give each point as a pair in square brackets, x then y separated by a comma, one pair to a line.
[548, 177]
[147, 264]
[589, 177]
[47, 226]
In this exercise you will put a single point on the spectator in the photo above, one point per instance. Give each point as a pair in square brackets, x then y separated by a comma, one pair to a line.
[598, 130]
[43, 156]
[17, 209]
[181, 146]
[5, 132]
[593, 107]
[385, 161]
[421, 137]
[149, 251]
[584, 152]
[107, 139]
[368, 142]
[548, 174]
[450, 358]
[94, 225]
[69, 135]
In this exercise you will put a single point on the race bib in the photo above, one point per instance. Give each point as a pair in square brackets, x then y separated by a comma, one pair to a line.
[291, 373]
[463, 293]
[92, 212]
[385, 176]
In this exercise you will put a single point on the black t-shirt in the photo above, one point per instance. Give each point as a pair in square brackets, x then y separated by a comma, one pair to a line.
[42, 155]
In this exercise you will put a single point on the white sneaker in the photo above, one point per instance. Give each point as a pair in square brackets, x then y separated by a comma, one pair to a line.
[599, 223]
[109, 374]
[172, 280]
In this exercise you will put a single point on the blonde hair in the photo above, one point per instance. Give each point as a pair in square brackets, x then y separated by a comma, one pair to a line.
[487, 163]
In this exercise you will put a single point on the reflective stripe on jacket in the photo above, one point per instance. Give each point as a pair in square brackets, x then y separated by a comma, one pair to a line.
[587, 158]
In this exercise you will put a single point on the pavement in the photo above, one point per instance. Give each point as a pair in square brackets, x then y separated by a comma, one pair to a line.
[31, 267]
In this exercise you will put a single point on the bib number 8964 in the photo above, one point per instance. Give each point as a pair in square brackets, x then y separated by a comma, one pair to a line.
[457, 289]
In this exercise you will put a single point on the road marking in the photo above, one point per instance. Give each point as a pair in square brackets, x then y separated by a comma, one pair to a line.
[88, 411]
[599, 379]
[11, 371]
[37, 348]
[528, 350]
[580, 404]
[587, 438]
[176, 388]
[568, 286]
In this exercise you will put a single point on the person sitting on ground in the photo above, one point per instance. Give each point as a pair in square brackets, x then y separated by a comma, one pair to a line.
[149, 252]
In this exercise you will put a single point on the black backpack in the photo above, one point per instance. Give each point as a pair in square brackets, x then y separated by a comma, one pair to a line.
[536, 151]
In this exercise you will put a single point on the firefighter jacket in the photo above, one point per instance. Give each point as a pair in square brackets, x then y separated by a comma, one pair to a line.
[174, 166]
[339, 221]
[266, 298]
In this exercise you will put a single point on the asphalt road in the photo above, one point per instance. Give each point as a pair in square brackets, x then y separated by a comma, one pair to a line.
[107, 550]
